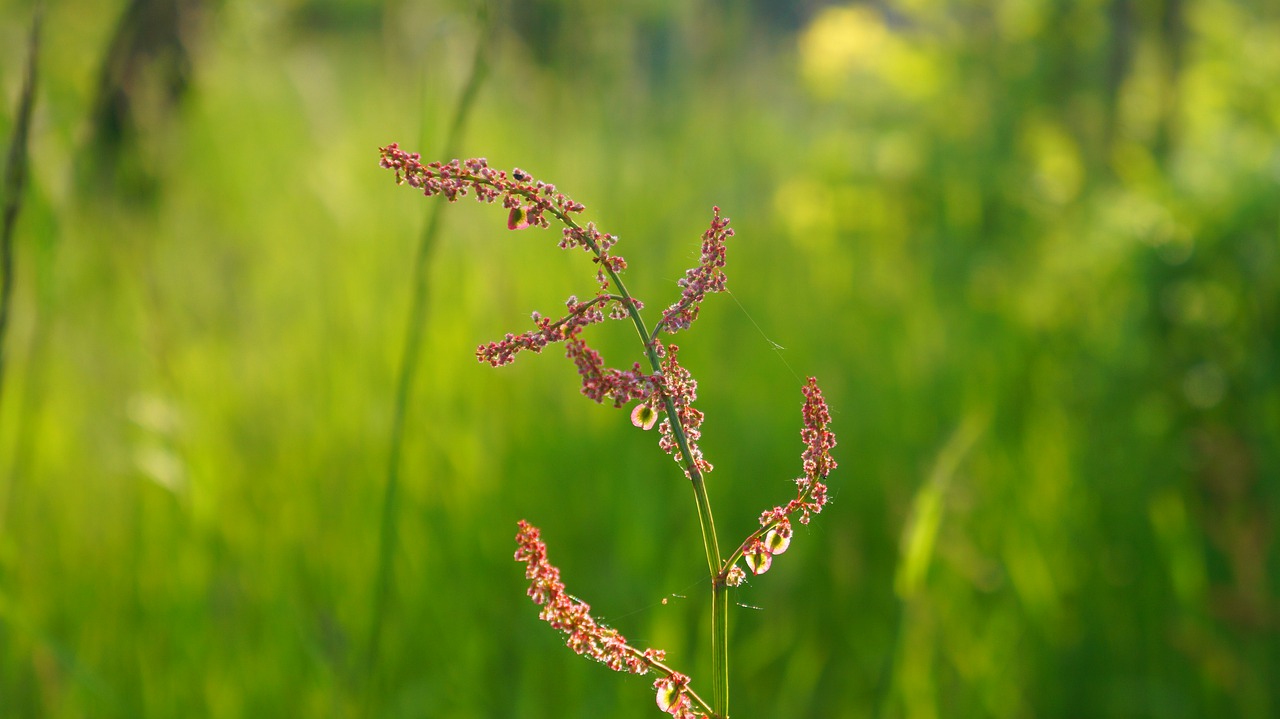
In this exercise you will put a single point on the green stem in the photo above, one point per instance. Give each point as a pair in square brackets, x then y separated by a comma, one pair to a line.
[720, 646]
[719, 590]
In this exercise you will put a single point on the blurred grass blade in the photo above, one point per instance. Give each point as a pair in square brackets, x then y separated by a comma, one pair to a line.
[15, 178]
[412, 351]
[921, 530]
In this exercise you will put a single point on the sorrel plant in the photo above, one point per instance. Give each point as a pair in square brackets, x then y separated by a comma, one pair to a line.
[665, 389]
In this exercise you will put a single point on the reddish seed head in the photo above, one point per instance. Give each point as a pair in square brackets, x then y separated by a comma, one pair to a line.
[811, 492]
[758, 558]
[777, 540]
[584, 635]
[707, 277]
[682, 389]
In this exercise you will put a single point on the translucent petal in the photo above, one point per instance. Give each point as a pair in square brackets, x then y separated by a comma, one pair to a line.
[778, 539]
[758, 561]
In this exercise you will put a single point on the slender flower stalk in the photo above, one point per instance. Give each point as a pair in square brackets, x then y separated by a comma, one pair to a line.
[666, 389]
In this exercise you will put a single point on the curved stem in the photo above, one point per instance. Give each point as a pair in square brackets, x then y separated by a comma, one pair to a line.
[710, 543]
[742, 548]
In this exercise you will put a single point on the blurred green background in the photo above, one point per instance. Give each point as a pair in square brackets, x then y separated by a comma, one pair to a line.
[1030, 249]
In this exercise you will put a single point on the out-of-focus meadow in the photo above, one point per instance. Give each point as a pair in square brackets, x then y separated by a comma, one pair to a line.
[1030, 249]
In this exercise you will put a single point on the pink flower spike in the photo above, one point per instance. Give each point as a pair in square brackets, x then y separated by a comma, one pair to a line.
[698, 282]
[571, 616]
[518, 219]
[811, 490]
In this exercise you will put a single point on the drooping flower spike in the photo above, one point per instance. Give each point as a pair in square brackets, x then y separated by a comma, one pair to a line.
[585, 636]
[570, 615]
[680, 386]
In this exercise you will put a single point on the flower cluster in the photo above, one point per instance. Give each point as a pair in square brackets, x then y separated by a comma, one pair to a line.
[707, 277]
[572, 616]
[530, 203]
[819, 441]
[580, 315]
[600, 383]
[455, 179]
[682, 389]
[774, 536]
[816, 458]
[528, 200]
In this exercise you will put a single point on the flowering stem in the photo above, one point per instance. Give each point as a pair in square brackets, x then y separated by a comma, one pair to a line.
[710, 543]
[719, 590]
[669, 382]
[688, 459]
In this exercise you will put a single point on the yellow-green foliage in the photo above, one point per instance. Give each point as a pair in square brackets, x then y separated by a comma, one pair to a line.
[1030, 249]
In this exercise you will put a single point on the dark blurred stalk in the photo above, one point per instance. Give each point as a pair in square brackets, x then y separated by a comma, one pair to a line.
[146, 70]
[1173, 33]
[15, 180]
[413, 335]
[1120, 52]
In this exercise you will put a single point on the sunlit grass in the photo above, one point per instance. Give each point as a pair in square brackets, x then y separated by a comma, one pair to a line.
[193, 433]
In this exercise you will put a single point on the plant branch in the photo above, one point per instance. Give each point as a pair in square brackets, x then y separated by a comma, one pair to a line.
[454, 179]
[710, 543]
